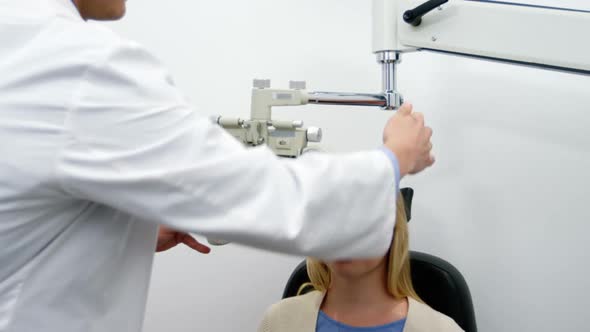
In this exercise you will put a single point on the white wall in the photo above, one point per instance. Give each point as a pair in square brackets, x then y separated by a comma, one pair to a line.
[506, 202]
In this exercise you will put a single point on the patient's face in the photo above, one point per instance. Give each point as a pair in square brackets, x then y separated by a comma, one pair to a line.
[356, 268]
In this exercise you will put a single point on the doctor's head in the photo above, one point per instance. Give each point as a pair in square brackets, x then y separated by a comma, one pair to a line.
[102, 10]
[393, 268]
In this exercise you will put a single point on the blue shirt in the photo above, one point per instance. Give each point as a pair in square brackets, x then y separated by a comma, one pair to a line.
[327, 324]
[394, 163]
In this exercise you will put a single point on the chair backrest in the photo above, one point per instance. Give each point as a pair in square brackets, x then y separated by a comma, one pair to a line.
[442, 287]
[436, 281]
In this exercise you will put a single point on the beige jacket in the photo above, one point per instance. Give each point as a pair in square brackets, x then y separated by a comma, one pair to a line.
[300, 314]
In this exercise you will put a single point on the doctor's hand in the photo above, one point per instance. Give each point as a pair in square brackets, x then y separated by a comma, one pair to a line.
[169, 238]
[407, 137]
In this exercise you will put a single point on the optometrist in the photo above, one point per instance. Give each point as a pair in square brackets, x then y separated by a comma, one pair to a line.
[99, 149]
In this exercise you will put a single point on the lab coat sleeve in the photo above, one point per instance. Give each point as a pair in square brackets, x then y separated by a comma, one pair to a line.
[133, 143]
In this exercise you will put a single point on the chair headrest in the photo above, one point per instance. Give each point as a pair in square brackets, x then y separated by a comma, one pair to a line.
[408, 195]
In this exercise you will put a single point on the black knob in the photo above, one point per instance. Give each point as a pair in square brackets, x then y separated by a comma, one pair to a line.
[414, 16]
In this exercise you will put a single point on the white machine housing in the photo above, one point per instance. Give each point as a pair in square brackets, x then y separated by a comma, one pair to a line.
[526, 34]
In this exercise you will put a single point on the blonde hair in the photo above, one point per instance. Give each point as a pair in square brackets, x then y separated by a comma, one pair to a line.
[399, 280]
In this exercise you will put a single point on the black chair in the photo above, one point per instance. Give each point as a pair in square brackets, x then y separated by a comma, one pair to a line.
[436, 281]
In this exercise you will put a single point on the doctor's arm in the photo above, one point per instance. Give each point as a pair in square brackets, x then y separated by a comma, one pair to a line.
[133, 143]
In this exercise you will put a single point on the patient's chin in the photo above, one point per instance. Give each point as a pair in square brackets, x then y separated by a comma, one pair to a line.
[354, 269]
[348, 268]
[343, 263]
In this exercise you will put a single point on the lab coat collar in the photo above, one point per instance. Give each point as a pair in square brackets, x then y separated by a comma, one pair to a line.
[32, 9]
[64, 8]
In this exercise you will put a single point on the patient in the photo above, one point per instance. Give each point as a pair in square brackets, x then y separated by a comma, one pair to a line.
[360, 295]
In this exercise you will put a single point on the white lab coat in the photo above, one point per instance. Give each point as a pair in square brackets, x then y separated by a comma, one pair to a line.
[97, 147]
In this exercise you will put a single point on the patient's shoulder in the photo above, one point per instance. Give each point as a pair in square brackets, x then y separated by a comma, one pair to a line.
[292, 314]
[308, 302]
[422, 318]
